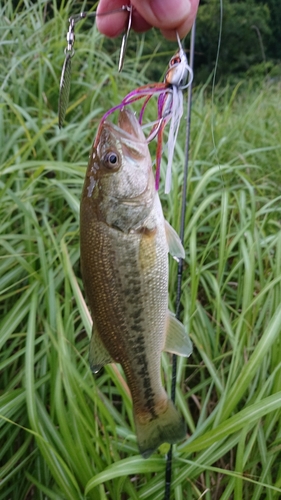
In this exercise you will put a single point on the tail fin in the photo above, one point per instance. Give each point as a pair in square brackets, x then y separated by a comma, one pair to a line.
[167, 427]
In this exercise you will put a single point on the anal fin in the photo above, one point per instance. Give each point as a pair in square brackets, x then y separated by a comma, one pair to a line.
[177, 339]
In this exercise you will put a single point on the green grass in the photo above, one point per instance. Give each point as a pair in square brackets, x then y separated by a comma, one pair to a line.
[68, 435]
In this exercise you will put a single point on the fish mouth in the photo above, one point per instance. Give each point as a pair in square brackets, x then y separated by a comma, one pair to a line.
[128, 123]
[126, 140]
[128, 131]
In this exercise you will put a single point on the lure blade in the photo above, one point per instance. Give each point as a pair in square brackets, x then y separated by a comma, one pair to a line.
[64, 88]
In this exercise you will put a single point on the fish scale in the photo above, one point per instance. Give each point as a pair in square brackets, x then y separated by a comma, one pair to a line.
[128, 290]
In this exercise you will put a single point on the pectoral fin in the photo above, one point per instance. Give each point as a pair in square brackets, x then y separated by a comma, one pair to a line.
[99, 356]
[177, 340]
[174, 243]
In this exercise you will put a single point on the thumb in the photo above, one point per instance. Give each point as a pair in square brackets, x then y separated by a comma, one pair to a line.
[168, 15]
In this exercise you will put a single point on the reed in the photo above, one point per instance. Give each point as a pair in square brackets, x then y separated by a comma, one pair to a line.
[66, 434]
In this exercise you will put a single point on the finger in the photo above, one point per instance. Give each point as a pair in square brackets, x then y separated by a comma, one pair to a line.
[169, 16]
[113, 24]
[139, 24]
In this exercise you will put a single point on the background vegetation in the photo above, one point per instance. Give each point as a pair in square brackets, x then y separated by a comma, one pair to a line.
[250, 37]
[68, 435]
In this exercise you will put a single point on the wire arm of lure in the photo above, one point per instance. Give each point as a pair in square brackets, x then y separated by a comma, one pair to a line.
[73, 20]
[125, 37]
[69, 52]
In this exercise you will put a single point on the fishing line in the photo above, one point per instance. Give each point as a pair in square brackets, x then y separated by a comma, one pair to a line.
[214, 83]
[180, 264]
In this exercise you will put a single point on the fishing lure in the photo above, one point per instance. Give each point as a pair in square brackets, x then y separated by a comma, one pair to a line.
[178, 77]
[69, 52]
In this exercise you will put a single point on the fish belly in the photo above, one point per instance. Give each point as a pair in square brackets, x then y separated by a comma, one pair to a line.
[126, 282]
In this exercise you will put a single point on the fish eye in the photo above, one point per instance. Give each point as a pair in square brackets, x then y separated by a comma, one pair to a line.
[110, 160]
[175, 60]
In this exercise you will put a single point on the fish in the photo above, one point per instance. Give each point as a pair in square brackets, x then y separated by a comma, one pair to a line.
[124, 244]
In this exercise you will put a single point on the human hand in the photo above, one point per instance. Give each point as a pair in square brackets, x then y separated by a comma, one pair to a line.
[167, 15]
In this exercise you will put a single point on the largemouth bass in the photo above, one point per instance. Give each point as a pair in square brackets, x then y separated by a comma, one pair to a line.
[124, 259]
